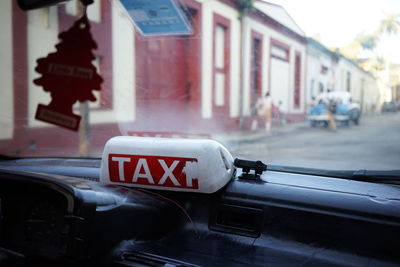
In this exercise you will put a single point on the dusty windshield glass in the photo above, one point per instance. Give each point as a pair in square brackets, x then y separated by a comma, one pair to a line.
[301, 83]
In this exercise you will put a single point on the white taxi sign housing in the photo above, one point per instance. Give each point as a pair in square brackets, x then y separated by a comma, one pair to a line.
[189, 165]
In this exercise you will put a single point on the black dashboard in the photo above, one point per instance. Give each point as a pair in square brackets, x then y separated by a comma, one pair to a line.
[54, 212]
[34, 218]
[53, 220]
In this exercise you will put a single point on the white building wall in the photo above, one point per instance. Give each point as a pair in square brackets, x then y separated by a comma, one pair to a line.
[280, 83]
[246, 50]
[363, 86]
[278, 14]
[313, 73]
[6, 71]
[295, 46]
[208, 9]
[123, 73]
[366, 93]
[42, 38]
[303, 88]
[371, 94]
[315, 60]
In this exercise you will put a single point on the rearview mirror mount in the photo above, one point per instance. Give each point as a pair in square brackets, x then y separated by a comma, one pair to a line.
[34, 4]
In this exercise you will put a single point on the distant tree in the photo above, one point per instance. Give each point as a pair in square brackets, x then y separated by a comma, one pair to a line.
[368, 42]
[351, 50]
[389, 25]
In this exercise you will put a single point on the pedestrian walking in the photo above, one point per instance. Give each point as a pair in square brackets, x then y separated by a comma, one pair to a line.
[331, 111]
[264, 107]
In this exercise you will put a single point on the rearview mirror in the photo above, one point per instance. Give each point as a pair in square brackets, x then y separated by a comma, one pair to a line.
[33, 4]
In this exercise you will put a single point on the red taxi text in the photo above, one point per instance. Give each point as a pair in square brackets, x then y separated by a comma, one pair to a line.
[151, 170]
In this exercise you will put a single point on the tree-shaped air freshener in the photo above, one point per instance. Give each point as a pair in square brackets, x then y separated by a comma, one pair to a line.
[68, 75]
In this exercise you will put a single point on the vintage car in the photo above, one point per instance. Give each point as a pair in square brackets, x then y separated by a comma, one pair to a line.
[346, 111]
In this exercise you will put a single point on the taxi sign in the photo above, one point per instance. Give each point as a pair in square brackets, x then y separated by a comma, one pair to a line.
[189, 165]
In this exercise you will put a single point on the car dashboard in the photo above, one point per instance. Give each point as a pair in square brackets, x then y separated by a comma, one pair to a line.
[34, 218]
[55, 212]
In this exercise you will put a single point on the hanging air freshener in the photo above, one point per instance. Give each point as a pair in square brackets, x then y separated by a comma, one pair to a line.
[68, 75]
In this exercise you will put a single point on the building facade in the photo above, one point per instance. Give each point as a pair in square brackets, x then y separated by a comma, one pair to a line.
[200, 84]
[328, 70]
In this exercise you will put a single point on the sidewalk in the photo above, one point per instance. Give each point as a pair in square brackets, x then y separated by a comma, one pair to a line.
[239, 137]
[236, 137]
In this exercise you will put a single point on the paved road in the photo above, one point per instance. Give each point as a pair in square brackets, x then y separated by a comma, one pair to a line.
[374, 144]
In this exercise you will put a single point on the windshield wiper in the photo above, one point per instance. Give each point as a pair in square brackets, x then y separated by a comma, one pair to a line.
[4, 157]
[371, 176]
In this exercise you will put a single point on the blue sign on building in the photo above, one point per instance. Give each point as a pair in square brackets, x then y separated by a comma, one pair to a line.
[157, 17]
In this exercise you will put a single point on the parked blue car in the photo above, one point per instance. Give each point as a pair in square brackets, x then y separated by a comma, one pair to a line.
[346, 111]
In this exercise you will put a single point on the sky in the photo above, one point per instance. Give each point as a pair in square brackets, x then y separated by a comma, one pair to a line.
[339, 21]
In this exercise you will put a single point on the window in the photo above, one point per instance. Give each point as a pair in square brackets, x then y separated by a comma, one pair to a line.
[321, 87]
[219, 65]
[221, 61]
[279, 50]
[256, 67]
[348, 81]
[297, 80]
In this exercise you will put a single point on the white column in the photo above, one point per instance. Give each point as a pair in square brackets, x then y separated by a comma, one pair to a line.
[6, 71]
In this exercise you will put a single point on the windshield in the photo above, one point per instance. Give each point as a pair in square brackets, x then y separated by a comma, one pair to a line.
[301, 83]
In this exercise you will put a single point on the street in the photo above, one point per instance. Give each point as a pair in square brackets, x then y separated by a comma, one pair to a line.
[374, 144]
